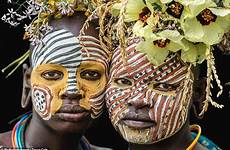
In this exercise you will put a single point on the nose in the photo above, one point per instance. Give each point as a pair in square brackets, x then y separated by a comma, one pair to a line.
[140, 99]
[71, 95]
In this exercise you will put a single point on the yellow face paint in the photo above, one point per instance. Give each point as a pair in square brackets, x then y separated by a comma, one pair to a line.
[64, 67]
[91, 79]
[48, 81]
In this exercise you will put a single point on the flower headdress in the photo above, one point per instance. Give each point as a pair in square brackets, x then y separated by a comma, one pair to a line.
[188, 27]
[39, 11]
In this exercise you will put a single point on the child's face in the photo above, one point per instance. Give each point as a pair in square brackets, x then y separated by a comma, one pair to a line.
[147, 103]
[68, 76]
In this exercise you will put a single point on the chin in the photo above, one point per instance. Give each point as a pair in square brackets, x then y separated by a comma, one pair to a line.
[142, 136]
[137, 136]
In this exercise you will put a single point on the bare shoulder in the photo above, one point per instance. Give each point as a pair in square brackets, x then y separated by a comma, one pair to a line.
[100, 148]
[5, 139]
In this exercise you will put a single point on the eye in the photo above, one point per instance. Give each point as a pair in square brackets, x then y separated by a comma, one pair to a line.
[123, 82]
[90, 75]
[52, 75]
[165, 87]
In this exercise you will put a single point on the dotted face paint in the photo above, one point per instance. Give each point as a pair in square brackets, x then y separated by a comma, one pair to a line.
[58, 63]
[42, 98]
[147, 103]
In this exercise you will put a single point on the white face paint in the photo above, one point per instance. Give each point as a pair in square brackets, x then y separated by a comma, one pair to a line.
[57, 64]
[147, 103]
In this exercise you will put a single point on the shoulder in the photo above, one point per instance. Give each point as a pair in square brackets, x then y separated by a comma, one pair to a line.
[5, 139]
[100, 148]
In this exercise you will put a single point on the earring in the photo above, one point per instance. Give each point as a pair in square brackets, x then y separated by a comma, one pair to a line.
[26, 88]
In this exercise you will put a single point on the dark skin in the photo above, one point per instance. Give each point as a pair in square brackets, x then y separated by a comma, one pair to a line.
[56, 134]
[182, 139]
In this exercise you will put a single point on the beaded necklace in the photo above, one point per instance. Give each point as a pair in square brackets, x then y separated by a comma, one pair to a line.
[17, 136]
[192, 128]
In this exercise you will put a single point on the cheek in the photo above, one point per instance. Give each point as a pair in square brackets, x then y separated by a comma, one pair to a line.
[92, 88]
[93, 93]
[45, 95]
[171, 112]
[42, 98]
[116, 102]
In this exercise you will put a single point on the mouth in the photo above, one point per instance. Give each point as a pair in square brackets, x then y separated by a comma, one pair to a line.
[72, 113]
[138, 121]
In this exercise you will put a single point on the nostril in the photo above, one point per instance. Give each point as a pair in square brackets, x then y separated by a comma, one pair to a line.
[72, 96]
[63, 96]
[79, 96]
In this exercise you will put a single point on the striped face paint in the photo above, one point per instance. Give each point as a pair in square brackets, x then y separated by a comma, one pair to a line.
[63, 63]
[147, 103]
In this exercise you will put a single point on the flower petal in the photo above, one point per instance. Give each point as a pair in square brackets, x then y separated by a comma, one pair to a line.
[196, 6]
[193, 30]
[197, 53]
[213, 33]
[220, 11]
[172, 35]
[176, 46]
[226, 3]
[133, 9]
[154, 54]
[148, 33]
[138, 28]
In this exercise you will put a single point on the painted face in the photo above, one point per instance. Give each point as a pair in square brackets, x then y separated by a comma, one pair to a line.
[147, 103]
[63, 63]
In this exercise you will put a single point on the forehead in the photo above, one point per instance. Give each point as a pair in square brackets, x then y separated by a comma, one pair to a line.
[138, 66]
[61, 47]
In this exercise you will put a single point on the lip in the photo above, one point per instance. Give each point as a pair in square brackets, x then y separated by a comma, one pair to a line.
[138, 120]
[72, 113]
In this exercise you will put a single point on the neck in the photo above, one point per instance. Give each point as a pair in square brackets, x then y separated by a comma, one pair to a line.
[38, 135]
[179, 141]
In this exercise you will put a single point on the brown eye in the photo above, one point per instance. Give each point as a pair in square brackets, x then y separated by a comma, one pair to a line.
[90, 75]
[52, 75]
[123, 82]
[165, 87]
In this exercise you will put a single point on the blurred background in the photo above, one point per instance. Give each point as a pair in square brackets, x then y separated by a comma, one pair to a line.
[215, 124]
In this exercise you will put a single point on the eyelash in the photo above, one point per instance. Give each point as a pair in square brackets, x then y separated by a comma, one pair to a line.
[123, 82]
[90, 75]
[52, 75]
[165, 87]
[162, 87]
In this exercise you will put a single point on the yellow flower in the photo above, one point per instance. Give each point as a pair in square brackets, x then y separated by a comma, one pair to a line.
[205, 22]
[158, 45]
[196, 53]
[137, 10]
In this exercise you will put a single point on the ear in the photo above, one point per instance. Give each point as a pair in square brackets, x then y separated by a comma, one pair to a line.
[199, 94]
[26, 87]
